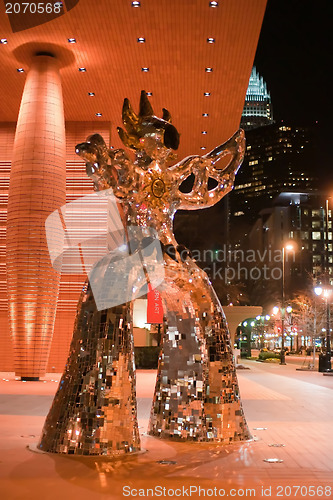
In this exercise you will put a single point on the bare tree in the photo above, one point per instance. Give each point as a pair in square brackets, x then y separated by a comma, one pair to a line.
[309, 313]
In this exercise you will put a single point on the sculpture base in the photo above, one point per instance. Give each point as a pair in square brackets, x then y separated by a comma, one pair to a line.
[94, 410]
[33, 447]
[196, 394]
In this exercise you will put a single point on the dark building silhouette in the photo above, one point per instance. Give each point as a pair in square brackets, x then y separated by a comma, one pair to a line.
[299, 218]
[278, 158]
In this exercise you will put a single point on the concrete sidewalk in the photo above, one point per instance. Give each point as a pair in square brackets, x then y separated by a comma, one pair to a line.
[282, 406]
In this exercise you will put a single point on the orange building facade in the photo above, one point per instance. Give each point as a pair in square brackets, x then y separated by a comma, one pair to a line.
[77, 185]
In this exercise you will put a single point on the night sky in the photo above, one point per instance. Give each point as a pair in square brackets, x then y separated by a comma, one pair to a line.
[294, 57]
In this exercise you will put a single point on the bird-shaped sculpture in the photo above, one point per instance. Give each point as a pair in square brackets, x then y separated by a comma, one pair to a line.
[196, 395]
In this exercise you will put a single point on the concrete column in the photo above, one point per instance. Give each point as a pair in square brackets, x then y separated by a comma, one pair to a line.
[37, 187]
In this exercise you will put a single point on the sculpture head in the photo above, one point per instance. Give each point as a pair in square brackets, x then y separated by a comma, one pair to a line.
[93, 150]
[145, 132]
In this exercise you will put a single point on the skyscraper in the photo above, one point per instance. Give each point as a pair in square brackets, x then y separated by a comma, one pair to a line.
[278, 158]
[258, 109]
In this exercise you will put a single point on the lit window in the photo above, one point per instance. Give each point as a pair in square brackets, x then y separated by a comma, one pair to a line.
[270, 158]
[316, 235]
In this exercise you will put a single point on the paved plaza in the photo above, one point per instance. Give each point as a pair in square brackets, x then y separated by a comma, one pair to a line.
[283, 406]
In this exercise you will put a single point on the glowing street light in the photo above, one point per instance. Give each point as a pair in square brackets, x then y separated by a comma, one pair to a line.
[282, 311]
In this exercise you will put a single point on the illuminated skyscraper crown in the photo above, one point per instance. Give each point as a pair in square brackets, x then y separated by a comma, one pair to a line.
[257, 110]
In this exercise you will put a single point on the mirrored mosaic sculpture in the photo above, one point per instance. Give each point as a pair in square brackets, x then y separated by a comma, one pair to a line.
[94, 410]
[196, 395]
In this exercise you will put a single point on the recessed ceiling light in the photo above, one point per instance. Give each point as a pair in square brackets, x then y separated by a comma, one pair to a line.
[208, 70]
[210, 40]
[145, 70]
[4, 41]
[203, 147]
[71, 40]
[206, 94]
[98, 114]
[135, 4]
[83, 70]
[205, 115]
[204, 132]
[213, 4]
[20, 70]
[149, 94]
[91, 94]
[141, 39]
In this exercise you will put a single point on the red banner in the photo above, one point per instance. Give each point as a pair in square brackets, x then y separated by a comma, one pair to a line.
[154, 306]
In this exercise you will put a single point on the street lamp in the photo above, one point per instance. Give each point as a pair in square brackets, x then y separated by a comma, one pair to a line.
[326, 292]
[289, 247]
[282, 311]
